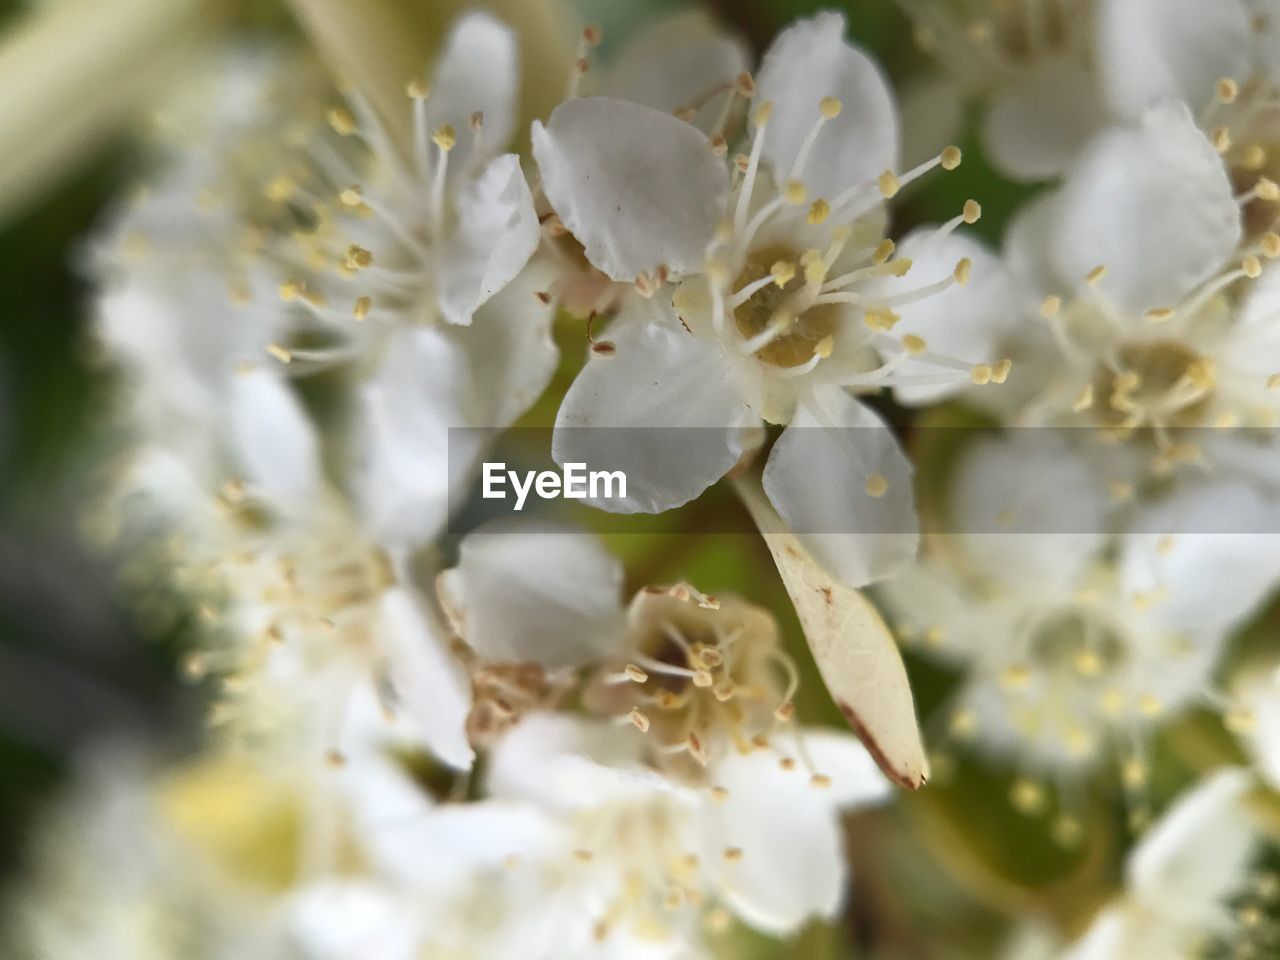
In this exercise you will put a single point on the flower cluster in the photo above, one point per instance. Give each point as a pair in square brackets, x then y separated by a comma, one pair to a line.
[705, 270]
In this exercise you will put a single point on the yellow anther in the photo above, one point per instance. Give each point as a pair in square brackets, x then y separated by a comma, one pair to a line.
[280, 353]
[1084, 399]
[351, 197]
[884, 250]
[733, 854]
[1133, 772]
[719, 145]
[1240, 720]
[592, 35]
[744, 85]
[972, 211]
[783, 272]
[819, 210]
[445, 138]
[1266, 189]
[914, 345]
[963, 724]
[342, 121]
[477, 121]
[635, 674]
[1159, 314]
[362, 308]
[882, 319]
[824, 347]
[703, 679]
[280, 189]
[1016, 676]
[950, 158]
[888, 184]
[1088, 663]
[814, 273]
[962, 271]
[1220, 137]
[1251, 266]
[795, 193]
[358, 257]
[1253, 157]
[820, 780]
[1027, 797]
[899, 267]
[830, 107]
[760, 116]
[1226, 90]
[1273, 383]
[417, 89]
[1270, 244]
[639, 719]
[1050, 306]
[981, 374]
[719, 794]
[1096, 275]
[291, 290]
[1202, 373]
[1119, 491]
[787, 763]
[1067, 831]
[877, 485]
[1000, 372]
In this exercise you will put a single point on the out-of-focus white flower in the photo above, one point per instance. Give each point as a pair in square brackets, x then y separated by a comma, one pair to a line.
[118, 873]
[1146, 313]
[760, 838]
[1031, 64]
[1198, 885]
[785, 301]
[1074, 631]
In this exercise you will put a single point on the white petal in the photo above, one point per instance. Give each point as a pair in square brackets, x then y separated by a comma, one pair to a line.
[346, 919]
[1259, 691]
[510, 353]
[535, 592]
[275, 441]
[429, 682]
[1200, 849]
[636, 186]
[1035, 127]
[1152, 203]
[478, 73]
[966, 322]
[1189, 553]
[1029, 507]
[856, 654]
[792, 867]
[817, 478]
[1028, 245]
[570, 763]
[1152, 50]
[664, 409]
[403, 415]
[677, 62]
[932, 116]
[811, 60]
[496, 235]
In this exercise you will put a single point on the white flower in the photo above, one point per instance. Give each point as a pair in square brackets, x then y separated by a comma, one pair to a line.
[1144, 311]
[761, 839]
[1031, 65]
[1257, 692]
[787, 293]
[304, 246]
[1193, 887]
[1067, 629]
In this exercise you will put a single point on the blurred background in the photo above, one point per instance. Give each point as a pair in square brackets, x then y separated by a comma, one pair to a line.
[80, 659]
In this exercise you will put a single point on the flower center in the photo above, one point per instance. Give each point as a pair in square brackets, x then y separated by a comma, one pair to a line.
[804, 334]
[1159, 383]
[700, 678]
